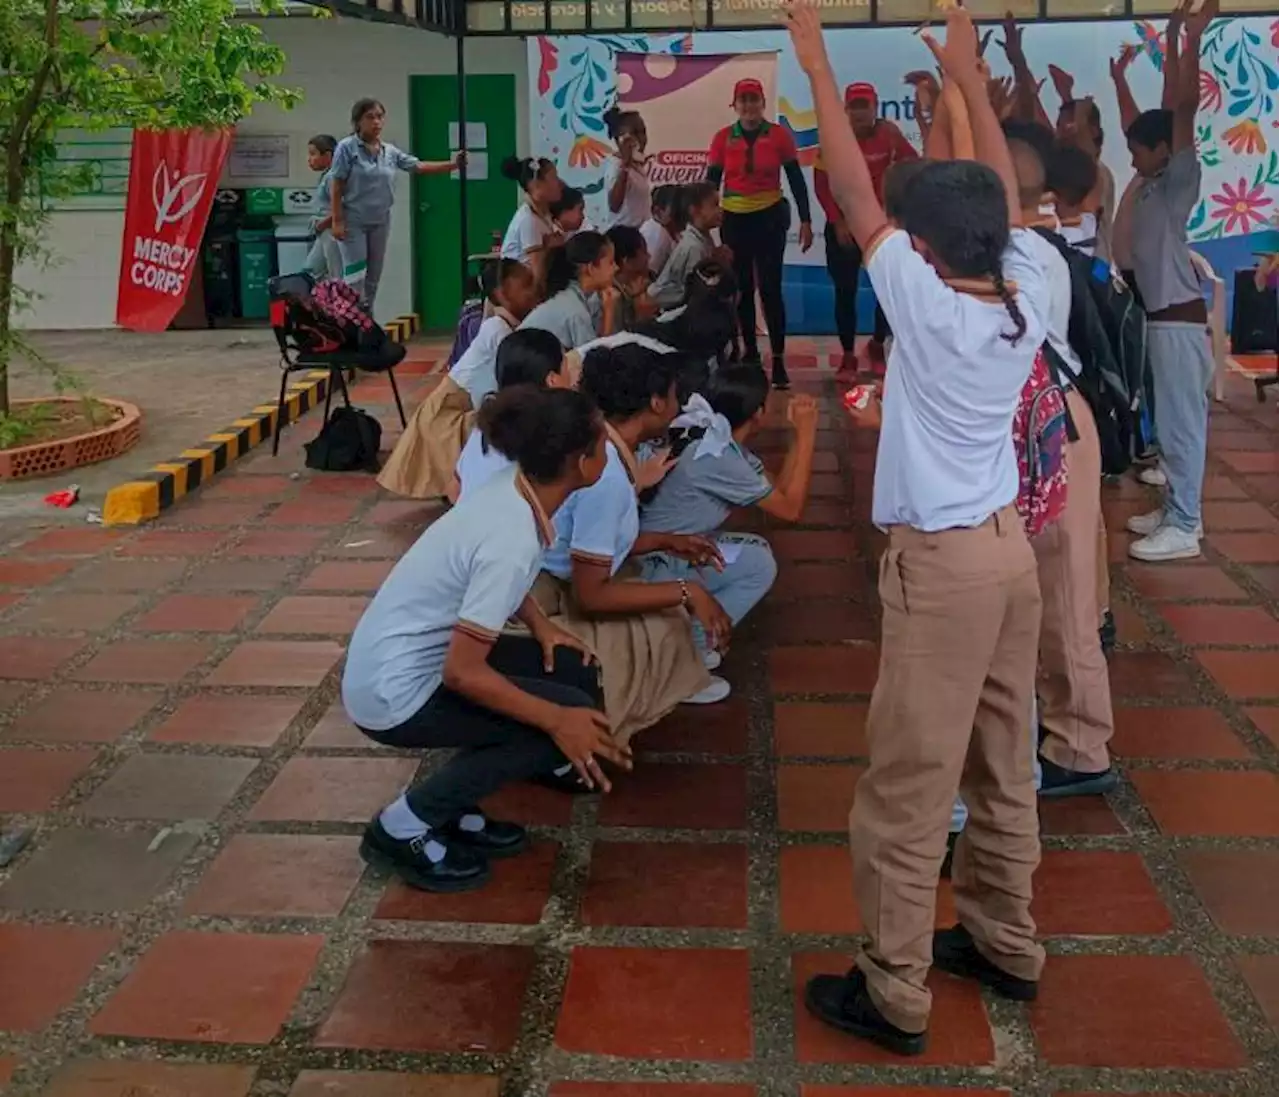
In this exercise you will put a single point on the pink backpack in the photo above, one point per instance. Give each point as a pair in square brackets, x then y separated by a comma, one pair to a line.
[1040, 434]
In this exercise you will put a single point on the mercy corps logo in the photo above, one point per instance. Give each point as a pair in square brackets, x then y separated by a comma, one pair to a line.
[168, 194]
[676, 166]
[157, 264]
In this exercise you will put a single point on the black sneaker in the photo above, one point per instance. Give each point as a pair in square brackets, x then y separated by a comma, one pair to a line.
[955, 952]
[1107, 634]
[945, 871]
[496, 839]
[1057, 781]
[843, 1002]
[461, 868]
[779, 377]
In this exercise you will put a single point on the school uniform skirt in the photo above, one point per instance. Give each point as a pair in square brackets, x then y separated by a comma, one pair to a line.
[649, 662]
[423, 463]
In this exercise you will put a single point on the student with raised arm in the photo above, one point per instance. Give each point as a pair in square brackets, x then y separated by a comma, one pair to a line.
[1162, 143]
[966, 300]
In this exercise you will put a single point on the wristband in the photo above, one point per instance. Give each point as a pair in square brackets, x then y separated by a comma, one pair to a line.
[684, 594]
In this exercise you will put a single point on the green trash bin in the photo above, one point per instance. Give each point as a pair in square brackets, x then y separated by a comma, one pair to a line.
[257, 259]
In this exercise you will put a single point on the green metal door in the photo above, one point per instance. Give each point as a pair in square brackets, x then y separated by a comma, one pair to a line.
[491, 199]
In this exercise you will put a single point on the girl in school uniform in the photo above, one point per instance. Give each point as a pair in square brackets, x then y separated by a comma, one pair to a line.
[626, 178]
[639, 631]
[663, 226]
[428, 665]
[421, 465]
[715, 473]
[580, 294]
[532, 234]
[966, 296]
[362, 192]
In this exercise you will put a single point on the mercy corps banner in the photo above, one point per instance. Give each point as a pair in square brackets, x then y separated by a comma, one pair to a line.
[172, 177]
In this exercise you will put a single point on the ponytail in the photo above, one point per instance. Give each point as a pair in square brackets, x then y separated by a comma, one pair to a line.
[524, 170]
[565, 264]
[1010, 304]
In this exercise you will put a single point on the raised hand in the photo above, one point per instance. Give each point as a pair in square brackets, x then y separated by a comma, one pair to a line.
[805, 28]
[1063, 83]
[1198, 21]
[1012, 42]
[958, 55]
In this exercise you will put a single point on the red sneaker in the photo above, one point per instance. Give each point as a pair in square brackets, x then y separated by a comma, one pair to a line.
[875, 357]
[848, 363]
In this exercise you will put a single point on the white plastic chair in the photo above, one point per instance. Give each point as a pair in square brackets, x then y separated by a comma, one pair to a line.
[1217, 321]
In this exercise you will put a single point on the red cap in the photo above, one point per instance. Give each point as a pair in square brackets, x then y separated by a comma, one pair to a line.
[860, 90]
[749, 86]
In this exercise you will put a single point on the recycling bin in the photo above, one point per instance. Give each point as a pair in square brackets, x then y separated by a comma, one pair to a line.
[257, 262]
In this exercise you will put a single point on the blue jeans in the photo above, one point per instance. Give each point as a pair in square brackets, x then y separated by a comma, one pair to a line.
[1182, 367]
[738, 588]
[960, 813]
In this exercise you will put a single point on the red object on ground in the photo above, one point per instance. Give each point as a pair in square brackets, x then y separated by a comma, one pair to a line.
[65, 498]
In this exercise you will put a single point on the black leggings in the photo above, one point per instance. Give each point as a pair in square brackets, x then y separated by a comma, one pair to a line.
[759, 241]
[495, 749]
[844, 265]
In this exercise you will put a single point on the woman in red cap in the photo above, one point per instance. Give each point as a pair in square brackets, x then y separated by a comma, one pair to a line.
[750, 157]
[882, 145]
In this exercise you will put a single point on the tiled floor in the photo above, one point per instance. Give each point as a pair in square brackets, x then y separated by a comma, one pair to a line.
[190, 917]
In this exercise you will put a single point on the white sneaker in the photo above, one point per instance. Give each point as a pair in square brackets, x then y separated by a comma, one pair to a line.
[717, 691]
[1166, 543]
[1144, 525]
[711, 660]
[1153, 476]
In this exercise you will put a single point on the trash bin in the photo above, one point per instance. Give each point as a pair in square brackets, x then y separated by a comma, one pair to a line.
[219, 260]
[293, 243]
[256, 261]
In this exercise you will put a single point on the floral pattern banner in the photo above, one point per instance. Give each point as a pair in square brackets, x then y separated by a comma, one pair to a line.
[575, 81]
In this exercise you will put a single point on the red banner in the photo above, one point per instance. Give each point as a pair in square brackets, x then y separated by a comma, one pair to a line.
[172, 179]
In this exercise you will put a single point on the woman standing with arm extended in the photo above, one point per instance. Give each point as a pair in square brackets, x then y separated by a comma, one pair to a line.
[749, 158]
[362, 182]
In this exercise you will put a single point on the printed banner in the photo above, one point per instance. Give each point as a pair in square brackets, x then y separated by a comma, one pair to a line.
[172, 179]
[685, 99]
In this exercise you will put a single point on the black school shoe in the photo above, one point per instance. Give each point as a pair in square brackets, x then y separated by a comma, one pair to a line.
[955, 952]
[843, 1002]
[1057, 781]
[945, 871]
[779, 378]
[570, 783]
[497, 839]
[461, 869]
[1107, 634]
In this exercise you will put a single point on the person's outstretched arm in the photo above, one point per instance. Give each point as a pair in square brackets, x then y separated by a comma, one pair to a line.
[1128, 105]
[961, 129]
[1172, 70]
[1187, 100]
[1027, 106]
[790, 493]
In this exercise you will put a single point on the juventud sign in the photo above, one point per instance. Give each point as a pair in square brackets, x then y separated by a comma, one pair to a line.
[171, 182]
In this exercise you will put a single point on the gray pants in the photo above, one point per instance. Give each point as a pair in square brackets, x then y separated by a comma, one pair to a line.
[363, 253]
[324, 260]
[1182, 366]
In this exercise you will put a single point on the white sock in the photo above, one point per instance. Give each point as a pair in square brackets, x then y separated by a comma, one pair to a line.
[564, 770]
[472, 823]
[399, 821]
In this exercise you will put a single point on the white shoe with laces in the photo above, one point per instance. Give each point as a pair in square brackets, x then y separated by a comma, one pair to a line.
[1153, 477]
[1144, 525]
[717, 691]
[1166, 543]
[711, 660]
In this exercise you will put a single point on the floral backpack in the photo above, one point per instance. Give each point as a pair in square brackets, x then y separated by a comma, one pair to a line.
[1040, 434]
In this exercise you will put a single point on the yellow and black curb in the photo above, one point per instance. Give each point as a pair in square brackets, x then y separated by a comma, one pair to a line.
[143, 499]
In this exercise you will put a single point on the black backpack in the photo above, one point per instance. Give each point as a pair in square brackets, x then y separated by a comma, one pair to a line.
[1108, 332]
[348, 442]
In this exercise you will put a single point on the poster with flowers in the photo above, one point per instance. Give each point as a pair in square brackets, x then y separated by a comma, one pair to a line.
[575, 81]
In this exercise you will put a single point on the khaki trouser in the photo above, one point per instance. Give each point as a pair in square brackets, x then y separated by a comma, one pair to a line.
[949, 714]
[1074, 688]
[1103, 567]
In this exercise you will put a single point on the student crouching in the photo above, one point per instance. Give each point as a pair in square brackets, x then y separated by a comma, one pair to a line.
[580, 295]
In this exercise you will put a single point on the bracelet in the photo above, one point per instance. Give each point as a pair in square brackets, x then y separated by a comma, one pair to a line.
[684, 594]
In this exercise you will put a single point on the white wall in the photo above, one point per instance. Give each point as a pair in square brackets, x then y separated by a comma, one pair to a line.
[332, 62]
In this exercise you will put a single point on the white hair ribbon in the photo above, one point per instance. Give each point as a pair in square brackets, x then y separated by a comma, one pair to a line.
[717, 434]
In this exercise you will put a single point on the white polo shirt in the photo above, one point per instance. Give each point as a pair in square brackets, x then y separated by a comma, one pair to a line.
[477, 370]
[470, 570]
[478, 464]
[659, 242]
[945, 457]
[636, 202]
[598, 524]
[525, 233]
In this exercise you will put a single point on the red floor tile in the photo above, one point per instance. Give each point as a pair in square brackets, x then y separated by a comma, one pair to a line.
[1087, 1005]
[375, 543]
[42, 969]
[1175, 733]
[368, 1083]
[1250, 462]
[276, 663]
[71, 542]
[1266, 720]
[158, 662]
[1259, 972]
[169, 786]
[334, 789]
[340, 483]
[648, 884]
[1237, 887]
[827, 730]
[790, 545]
[959, 1033]
[315, 615]
[658, 1004]
[1247, 548]
[530, 805]
[1078, 815]
[1165, 582]
[116, 574]
[239, 484]
[198, 613]
[449, 997]
[279, 876]
[1242, 674]
[1149, 674]
[315, 511]
[1236, 625]
[827, 622]
[353, 575]
[693, 729]
[279, 542]
[335, 731]
[8, 1064]
[35, 657]
[211, 512]
[849, 668]
[816, 797]
[72, 715]
[240, 574]
[698, 796]
[32, 780]
[1203, 803]
[1067, 886]
[516, 895]
[820, 581]
[75, 612]
[225, 988]
[123, 1078]
[32, 573]
[403, 512]
[1223, 516]
[1131, 627]
[172, 542]
[232, 720]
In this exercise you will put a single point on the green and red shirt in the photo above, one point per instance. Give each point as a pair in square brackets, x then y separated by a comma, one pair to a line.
[751, 164]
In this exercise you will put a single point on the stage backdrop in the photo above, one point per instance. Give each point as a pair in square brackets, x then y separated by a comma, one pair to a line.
[577, 78]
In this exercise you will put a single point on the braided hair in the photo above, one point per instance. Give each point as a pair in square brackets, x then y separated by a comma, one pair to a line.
[1011, 306]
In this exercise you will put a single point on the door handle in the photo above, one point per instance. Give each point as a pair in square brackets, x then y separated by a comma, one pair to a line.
[423, 207]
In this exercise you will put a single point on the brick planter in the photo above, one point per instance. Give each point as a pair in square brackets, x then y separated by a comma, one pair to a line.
[64, 454]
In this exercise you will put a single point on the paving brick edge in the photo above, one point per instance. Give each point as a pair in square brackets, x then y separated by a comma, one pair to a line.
[146, 497]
